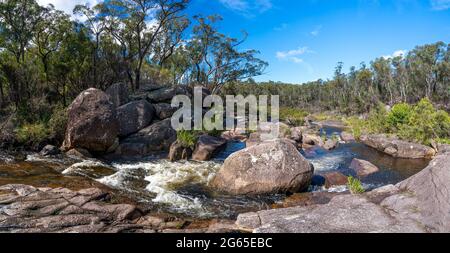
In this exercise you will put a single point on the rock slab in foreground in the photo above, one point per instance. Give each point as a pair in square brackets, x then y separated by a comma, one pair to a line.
[92, 123]
[418, 204]
[271, 167]
[398, 148]
[42, 210]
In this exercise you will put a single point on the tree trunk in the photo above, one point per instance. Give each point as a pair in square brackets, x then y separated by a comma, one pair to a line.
[2, 95]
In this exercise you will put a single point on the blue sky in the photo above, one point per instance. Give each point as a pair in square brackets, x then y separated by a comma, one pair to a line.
[304, 39]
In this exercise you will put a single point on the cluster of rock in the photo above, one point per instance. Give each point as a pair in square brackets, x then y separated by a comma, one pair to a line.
[206, 147]
[302, 137]
[418, 204]
[26, 209]
[117, 124]
[398, 148]
[113, 122]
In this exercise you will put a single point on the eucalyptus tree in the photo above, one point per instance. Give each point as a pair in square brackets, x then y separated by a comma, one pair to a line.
[383, 80]
[92, 21]
[49, 33]
[136, 25]
[18, 21]
[216, 58]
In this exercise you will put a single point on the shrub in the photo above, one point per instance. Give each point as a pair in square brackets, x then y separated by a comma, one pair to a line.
[398, 116]
[293, 116]
[356, 125]
[58, 123]
[377, 121]
[420, 123]
[188, 139]
[355, 186]
[425, 124]
[32, 134]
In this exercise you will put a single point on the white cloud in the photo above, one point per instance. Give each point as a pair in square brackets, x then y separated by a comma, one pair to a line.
[316, 31]
[397, 53]
[67, 5]
[440, 5]
[248, 8]
[293, 55]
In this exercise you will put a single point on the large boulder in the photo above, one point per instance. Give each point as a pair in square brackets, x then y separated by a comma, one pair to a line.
[398, 148]
[118, 93]
[92, 123]
[312, 139]
[253, 139]
[164, 110]
[266, 132]
[166, 94]
[153, 139]
[134, 116]
[271, 167]
[363, 168]
[418, 204]
[207, 146]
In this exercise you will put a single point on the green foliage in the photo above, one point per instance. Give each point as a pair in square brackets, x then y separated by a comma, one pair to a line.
[377, 121]
[187, 138]
[58, 123]
[356, 125]
[292, 116]
[32, 134]
[420, 123]
[399, 115]
[355, 186]
[389, 81]
[425, 124]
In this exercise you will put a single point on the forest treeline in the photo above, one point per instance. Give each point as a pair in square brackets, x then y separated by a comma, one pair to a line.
[423, 72]
[48, 55]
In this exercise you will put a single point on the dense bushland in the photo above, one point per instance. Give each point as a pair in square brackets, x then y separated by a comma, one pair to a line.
[421, 122]
[47, 58]
[423, 72]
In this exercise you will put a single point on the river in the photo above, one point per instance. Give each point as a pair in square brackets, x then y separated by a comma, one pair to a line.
[182, 188]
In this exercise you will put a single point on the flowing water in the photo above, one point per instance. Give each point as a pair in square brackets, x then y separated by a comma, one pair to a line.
[182, 188]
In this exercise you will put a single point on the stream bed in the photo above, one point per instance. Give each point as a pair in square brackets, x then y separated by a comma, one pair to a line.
[182, 188]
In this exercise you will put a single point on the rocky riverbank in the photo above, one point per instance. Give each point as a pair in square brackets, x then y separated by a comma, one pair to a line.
[418, 204]
[260, 175]
[26, 209]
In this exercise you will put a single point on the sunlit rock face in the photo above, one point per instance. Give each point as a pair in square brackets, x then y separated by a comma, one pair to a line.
[418, 204]
[92, 123]
[271, 167]
[398, 148]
